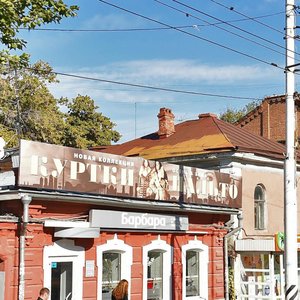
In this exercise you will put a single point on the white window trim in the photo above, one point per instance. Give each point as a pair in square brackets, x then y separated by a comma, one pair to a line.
[167, 263]
[196, 245]
[64, 250]
[125, 250]
[265, 212]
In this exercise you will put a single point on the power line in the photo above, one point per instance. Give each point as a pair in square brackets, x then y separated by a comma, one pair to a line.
[249, 18]
[147, 29]
[221, 28]
[193, 35]
[108, 30]
[236, 27]
[149, 86]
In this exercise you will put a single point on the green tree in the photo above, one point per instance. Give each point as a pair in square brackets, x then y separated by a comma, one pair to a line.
[16, 14]
[85, 127]
[27, 108]
[232, 115]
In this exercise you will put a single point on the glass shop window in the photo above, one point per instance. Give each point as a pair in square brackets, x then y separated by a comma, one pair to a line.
[155, 275]
[111, 273]
[256, 280]
[192, 273]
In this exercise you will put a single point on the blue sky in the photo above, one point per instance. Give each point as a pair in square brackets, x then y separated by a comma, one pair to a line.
[166, 58]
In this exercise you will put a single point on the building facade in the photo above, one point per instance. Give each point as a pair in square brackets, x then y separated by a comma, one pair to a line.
[255, 244]
[78, 221]
[269, 118]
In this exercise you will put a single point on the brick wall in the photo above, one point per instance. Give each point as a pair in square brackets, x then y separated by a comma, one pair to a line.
[268, 120]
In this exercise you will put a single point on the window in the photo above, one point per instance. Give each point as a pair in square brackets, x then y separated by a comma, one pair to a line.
[192, 273]
[155, 275]
[194, 270]
[261, 276]
[114, 260]
[157, 261]
[111, 272]
[259, 207]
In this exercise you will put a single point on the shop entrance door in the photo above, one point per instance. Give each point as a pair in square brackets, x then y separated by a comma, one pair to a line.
[61, 280]
[63, 270]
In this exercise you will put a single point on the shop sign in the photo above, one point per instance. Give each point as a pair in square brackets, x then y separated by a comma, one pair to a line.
[53, 167]
[131, 220]
[279, 241]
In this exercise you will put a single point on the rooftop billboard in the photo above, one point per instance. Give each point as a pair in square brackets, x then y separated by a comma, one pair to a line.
[59, 168]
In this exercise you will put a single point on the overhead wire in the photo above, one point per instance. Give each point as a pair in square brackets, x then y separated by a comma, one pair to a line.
[145, 29]
[236, 27]
[194, 35]
[232, 9]
[219, 27]
[148, 86]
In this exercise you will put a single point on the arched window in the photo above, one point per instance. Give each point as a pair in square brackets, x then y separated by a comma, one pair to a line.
[259, 207]
[194, 270]
[114, 260]
[157, 261]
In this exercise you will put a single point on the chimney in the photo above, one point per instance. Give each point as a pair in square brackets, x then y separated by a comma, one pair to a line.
[166, 123]
[207, 115]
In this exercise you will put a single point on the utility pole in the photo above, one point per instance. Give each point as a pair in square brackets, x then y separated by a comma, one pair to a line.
[135, 120]
[290, 201]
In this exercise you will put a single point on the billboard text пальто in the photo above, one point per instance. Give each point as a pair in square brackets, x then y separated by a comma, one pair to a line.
[53, 167]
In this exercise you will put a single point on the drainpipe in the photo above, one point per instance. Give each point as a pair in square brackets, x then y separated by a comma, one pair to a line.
[26, 199]
[226, 268]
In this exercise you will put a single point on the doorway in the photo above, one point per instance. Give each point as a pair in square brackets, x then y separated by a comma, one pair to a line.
[63, 270]
[61, 280]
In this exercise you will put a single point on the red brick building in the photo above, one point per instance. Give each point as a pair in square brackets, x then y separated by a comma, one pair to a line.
[74, 221]
[269, 118]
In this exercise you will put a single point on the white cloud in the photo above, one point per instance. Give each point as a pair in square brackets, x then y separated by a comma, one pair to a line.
[190, 70]
[174, 74]
[167, 73]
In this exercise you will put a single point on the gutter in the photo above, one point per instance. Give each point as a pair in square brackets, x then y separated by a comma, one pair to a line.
[26, 199]
[226, 268]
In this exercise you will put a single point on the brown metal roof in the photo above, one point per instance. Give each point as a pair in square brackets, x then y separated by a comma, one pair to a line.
[205, 135]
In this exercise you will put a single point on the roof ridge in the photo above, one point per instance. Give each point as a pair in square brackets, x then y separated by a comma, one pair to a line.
[225, 135]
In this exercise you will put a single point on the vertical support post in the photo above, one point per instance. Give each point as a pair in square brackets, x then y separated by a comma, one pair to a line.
[290, 201]
[26, 199]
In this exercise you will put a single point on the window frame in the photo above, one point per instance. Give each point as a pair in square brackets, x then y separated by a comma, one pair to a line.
[115, 245]
[166, 249]
[202, 249]
[260, 208]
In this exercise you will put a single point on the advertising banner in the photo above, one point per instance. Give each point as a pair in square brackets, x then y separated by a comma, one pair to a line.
[53, 167]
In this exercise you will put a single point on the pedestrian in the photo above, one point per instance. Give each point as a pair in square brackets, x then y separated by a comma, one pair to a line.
[44, 294]
[120, 292]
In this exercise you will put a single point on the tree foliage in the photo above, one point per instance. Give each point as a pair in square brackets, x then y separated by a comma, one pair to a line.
[232, 115]
[16, 14]
[28, 110]
[85, 127]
